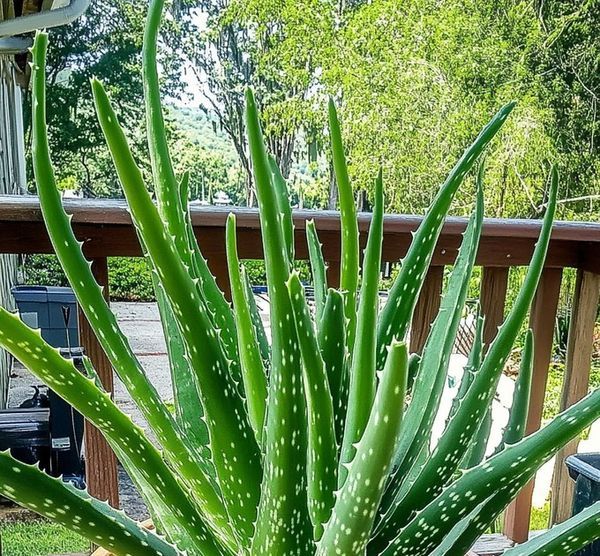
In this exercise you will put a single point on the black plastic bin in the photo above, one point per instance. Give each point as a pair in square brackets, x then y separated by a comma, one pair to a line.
[52, 309]
[584, 469]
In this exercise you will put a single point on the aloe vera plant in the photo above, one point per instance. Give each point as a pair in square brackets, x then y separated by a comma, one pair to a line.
[317, 442]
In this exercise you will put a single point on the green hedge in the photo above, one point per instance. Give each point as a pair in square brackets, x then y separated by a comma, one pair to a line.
[128, 277]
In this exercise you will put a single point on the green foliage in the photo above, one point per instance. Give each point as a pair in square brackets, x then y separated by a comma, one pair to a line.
[274, 450]
[129, 278]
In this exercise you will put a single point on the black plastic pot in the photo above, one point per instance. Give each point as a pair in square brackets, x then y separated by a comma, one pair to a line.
[584, 469]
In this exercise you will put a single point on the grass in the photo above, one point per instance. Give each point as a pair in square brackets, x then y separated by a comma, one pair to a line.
[38, 537]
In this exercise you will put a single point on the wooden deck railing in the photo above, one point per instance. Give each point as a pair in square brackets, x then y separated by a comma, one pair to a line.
[106, 231]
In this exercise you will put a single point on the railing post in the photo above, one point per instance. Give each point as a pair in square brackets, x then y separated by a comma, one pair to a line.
[333, 274]
[542, 322]
[492, 299]
[576, 381]
[100, 461]
[427, 308]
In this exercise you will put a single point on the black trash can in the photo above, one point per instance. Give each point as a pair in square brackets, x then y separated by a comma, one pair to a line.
[584, 469]
[52, 309]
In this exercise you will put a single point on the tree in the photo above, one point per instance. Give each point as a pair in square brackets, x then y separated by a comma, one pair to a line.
[104, 43]
[269, 46]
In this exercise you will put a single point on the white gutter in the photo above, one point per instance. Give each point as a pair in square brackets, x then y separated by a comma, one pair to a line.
[43, 20]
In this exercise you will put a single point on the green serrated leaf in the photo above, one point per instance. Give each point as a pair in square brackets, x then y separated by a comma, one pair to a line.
[362, 370]
[397, 314]
[253, 371]
[167, 499]
[283, 525]
[322, 455]
[99, 315]
[348, 529]
[77, 511]
[317, 266]
[236, 455]
[349, 224]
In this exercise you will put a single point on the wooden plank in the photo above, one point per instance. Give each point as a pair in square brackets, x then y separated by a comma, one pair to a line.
[100, 461]
[333, 273]
[576, 381]
[492, 299]
[427, 308]
[218, 266]
[105, 226]
[542, 322]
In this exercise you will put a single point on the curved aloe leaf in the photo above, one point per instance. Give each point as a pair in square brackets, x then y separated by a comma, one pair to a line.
[235, 453]
[362, 370]
[77, 511]
[564, 539]
[283, 525]
[332, 343]
[99, 315]
[259, 327]
[515, 429]
[168, 499]
[505, 474]
[431, 378]
[349, 224]
[172, 204]
[397, 314]
[322, 455]
[251, 362]
[317, 266]
[463, 427]
[283, 203]
[348, 529]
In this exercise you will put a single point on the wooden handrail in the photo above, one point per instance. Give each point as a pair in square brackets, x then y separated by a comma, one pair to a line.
[106, 230]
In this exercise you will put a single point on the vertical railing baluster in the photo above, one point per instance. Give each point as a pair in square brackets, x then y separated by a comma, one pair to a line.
[542, 322]
[576, 381]
[100, 461]
[427, 308]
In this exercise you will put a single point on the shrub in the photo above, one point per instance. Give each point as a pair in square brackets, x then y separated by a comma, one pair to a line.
[336, 458]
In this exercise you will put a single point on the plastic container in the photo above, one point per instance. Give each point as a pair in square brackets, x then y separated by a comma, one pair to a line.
[52, 309]
[584, 469]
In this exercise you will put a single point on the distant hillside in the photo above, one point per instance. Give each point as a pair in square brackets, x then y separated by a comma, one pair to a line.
[204, 131]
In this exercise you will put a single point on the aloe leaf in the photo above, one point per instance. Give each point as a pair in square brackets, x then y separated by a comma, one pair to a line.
[172, 204]
[472, 366]
[362, 371]
[349, 223]
[283, 525]
[476, 453]
[564, 539]
[464, 425]
[414, 361]
[397, 313]
[348, 529]
[515, 429]
[322, 455]
[134, 450]
[235, 453]
[77, 511]
[317, 266]
[431, 378]
[285, 208]
[253, 371]
[99, 315]
[332, 343]
[259, 327]
[188, 407]
[505, 474]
